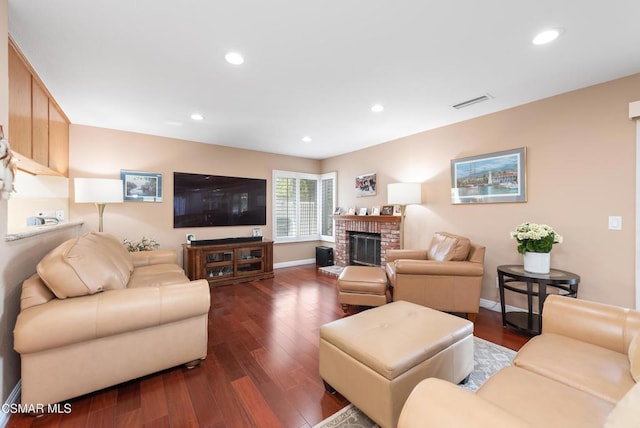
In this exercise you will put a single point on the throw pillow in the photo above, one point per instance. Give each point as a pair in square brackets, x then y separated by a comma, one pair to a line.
[448, 247]
[625, 414]
[634, 358]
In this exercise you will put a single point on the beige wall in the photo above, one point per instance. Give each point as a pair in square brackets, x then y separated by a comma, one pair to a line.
[18, 259]
[580, 169]
[99, 152]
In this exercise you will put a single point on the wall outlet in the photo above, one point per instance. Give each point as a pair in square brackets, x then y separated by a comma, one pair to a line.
[497, 282]
[60, 215]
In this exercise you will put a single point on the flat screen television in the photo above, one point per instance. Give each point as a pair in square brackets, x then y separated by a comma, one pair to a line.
[202, 200]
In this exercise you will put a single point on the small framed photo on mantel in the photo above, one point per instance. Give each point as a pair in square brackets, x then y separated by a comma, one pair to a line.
[387, 210]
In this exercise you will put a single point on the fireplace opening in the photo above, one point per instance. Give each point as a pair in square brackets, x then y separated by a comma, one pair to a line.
[364, 249]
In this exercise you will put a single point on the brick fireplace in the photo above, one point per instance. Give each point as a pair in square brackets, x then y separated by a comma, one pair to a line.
[387, 226]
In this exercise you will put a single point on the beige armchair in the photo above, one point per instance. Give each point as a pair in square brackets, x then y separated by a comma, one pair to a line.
[447, 276]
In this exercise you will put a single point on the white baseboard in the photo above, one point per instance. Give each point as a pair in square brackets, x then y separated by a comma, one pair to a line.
[12, 399]
[294, 263]
[495, 306]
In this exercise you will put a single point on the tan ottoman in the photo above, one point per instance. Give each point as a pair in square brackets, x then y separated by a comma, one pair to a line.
[376, 357]
[362, 285]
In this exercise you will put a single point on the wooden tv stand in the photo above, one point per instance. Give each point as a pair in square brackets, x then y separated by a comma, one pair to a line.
[229, 263]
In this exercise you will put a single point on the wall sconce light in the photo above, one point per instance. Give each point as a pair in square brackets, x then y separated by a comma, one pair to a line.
[100, 191]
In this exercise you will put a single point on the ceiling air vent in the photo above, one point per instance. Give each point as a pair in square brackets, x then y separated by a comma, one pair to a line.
[472, 101]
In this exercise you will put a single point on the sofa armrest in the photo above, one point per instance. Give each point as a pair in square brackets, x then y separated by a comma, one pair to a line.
[433, 267]
[62, 322]
[438, 403]
[406, 254]
[145, 258]
[599, 324]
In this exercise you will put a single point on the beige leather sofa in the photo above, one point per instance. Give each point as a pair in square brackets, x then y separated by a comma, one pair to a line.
[96, 315]
[447, 276]
[580, 372]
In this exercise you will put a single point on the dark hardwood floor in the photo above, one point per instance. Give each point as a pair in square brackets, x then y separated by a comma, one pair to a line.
[261, 369]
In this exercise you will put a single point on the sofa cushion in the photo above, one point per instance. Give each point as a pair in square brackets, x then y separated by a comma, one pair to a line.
[448, 247]
[157, 275]
[634, 357]
[34, 292]
[544, 402]
[626, 414]
[596, 370]
[83, 266]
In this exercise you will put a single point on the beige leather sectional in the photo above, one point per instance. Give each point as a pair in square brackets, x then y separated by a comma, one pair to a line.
[580, 372]
[95, 315]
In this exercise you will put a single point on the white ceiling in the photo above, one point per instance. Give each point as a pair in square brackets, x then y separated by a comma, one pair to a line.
[314, 67]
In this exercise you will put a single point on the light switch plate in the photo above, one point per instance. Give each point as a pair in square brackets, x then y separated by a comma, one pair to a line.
[615, 222]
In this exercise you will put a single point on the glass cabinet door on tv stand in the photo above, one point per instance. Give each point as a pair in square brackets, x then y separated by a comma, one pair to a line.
[219, 263]
[229, 263]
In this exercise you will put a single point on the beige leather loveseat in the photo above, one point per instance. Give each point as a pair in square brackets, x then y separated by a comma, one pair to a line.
[96, 315]
[580, 372]
[447, 276]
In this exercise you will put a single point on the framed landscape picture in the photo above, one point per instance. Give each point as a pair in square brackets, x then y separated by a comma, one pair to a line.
[489, 178]
[142, 186]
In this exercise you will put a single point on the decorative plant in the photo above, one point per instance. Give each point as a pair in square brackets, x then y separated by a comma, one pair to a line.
[535, 238]
[145, 244]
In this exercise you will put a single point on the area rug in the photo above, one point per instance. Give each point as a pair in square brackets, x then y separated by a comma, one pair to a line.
[332, 270]
[488, 359]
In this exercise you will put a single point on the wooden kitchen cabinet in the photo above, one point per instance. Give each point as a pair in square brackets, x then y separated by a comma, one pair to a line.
[38, 129]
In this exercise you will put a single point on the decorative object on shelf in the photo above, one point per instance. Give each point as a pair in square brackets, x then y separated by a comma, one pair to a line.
[375, 210]
[100, 191]
[337, 211]
[403, 194]
[144, 244]
[352, 211]
[387, 210]
[363, 211]
[489, 178]
[7, 168]
[366, 184]
[142, 186]
[535, 242]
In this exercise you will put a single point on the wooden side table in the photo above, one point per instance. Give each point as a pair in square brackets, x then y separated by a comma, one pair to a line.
[566, 284]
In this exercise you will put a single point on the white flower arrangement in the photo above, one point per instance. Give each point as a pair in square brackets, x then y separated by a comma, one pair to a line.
[535, 238]
[145, 244]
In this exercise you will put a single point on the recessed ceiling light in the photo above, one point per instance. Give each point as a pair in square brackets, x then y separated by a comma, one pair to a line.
[234, 58]
[306, 139]
[546, 36]
[377, 108]
[197, 116]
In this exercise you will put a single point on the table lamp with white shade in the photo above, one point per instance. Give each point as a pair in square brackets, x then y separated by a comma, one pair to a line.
[100, 191]
[404, 194]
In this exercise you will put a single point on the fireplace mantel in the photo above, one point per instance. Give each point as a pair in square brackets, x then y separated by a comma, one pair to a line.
[374, 218]
[388, 226]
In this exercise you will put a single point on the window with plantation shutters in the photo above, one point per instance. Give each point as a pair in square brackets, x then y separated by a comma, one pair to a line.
[303, 206]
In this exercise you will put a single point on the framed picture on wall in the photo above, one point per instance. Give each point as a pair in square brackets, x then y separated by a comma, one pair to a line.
[366, 185]
[489, 178]
[142, 186]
